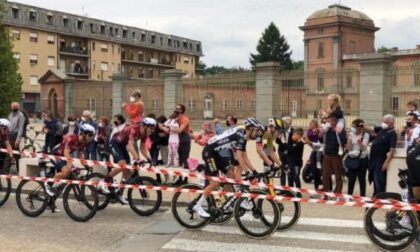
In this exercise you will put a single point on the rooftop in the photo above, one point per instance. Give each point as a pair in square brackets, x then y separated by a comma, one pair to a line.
[339, 10]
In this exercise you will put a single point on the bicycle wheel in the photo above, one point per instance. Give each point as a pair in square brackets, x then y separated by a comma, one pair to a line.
[5, 188]
[290, 211]
[80, 202]
[224, 203]
[144, 202]
[182, 208]
[257, 218]
[103, 198]
[31, 198]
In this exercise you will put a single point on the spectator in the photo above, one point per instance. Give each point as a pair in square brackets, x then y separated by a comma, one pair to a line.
[382, 152]
[102, 139]
[205, 134]
[231, 121]
[357, 144]
[334, 109]
[331, 163]
[161, 143]
[284, 139]
[412, 130]
[25, 125]
[313, 139]
[412, 107]
[17, 121]
[171, 126]
[90, 152]
[72, 128]
[184, 136]
[217, 127]
[53, 129]
[134, 109]
[295, 154]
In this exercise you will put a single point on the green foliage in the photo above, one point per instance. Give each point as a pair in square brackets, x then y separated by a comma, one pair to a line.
[221, 69]
[272, 46]
[298, 65]
[383, 49]
[10, 79]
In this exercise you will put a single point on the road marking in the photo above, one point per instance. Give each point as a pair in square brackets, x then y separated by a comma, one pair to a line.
[305, 235]
[327, 222]
[211, 246]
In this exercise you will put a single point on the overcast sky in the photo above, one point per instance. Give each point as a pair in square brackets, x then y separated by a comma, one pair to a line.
[229, 29]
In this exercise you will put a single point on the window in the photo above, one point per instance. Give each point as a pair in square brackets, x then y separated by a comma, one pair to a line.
[186, 60]
[15, 12]
[79, 24]
[124, 33]
[50, 39]
[152, 39]
[321, 50]
[91, 104]
[65, 22]
[224, 105]
[33, 80]
[111, 31]
[190, 46]
[104, 66]
[155, 103]
[349, 79]
[185, 44]
[143, 37]
[93, 46]
[141, 56]
[33, 37]
[103, 29]
[33, 16]
[347, 104]
[33, 59]
[169, 42]
[104, 48]
[416, 77]
[51, 61]
[16, 34]
[294, 108]
[141, 73]
[117, 32]
[92, 28]
[320, 81]
[191, 104]
[17, 57]
[198, 47]
[319, 104]
[178, 44]
[50, 19]
[161, 41]
[352, 47]
[395, 103]
[239, 104]
[133, 35]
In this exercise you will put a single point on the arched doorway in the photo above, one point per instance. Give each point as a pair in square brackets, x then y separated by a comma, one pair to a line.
[208, 106]
[52, 101]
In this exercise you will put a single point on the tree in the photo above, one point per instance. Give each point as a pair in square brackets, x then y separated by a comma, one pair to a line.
[298, 65]
[272, 46]
[383, 49]
[10, 79]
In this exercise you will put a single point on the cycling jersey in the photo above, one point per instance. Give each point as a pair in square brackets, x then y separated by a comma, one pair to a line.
[70, 141]
[269, 137]
[129, 132]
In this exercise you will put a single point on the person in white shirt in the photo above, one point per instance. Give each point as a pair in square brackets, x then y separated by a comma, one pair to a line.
[412, 130]
[173, 144]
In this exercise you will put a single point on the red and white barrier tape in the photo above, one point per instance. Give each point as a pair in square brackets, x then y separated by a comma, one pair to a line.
[221, 179]
[395, 206]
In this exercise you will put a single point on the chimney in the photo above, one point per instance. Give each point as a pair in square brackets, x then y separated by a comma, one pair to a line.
[394, 49]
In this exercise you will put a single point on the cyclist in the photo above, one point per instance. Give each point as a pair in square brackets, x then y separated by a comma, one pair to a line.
[122, 143]
[269, 154]
[233, 139]
[70, 144]
[4, 136]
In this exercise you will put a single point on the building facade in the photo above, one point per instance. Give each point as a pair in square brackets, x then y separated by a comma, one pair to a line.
[90, 49]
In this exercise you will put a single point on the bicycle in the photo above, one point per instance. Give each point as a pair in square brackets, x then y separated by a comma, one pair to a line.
[393, 230]
[143, 202]
[247, 211]
[32, 198]
[5, 182]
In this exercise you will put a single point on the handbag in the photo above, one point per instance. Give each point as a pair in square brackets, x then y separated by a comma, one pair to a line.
[351, 163]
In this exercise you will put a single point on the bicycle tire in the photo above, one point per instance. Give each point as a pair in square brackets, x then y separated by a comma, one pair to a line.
[39, 194]
[5, 190]
[286, 224]
[307, 174]
[257, 213]
[177, 208]
[79, 192]
[103, 198]
[145, 200]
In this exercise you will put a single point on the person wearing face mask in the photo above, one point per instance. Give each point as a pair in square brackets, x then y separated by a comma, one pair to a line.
[53, 129]
[357, 143]
[17, 121]
[134, 109]
[412, 130]
[102, 139]
[72, 127]
[382, 152]
[90, 152]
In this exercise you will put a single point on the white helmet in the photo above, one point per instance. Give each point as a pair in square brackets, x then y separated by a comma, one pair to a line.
[149, 122]
[86, 129]
[5, 123]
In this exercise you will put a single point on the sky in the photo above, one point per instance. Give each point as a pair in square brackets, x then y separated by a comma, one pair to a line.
[229, 29]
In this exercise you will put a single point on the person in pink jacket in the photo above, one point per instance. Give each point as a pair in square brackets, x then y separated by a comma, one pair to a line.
[205, 134]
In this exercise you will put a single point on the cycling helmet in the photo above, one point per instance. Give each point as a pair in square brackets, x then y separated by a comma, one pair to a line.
[149, 122]
[4, 123]
[253, 122]
[86, 129]
[276, 122]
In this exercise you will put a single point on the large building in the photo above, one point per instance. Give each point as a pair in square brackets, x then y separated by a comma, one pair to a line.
[88, 48]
